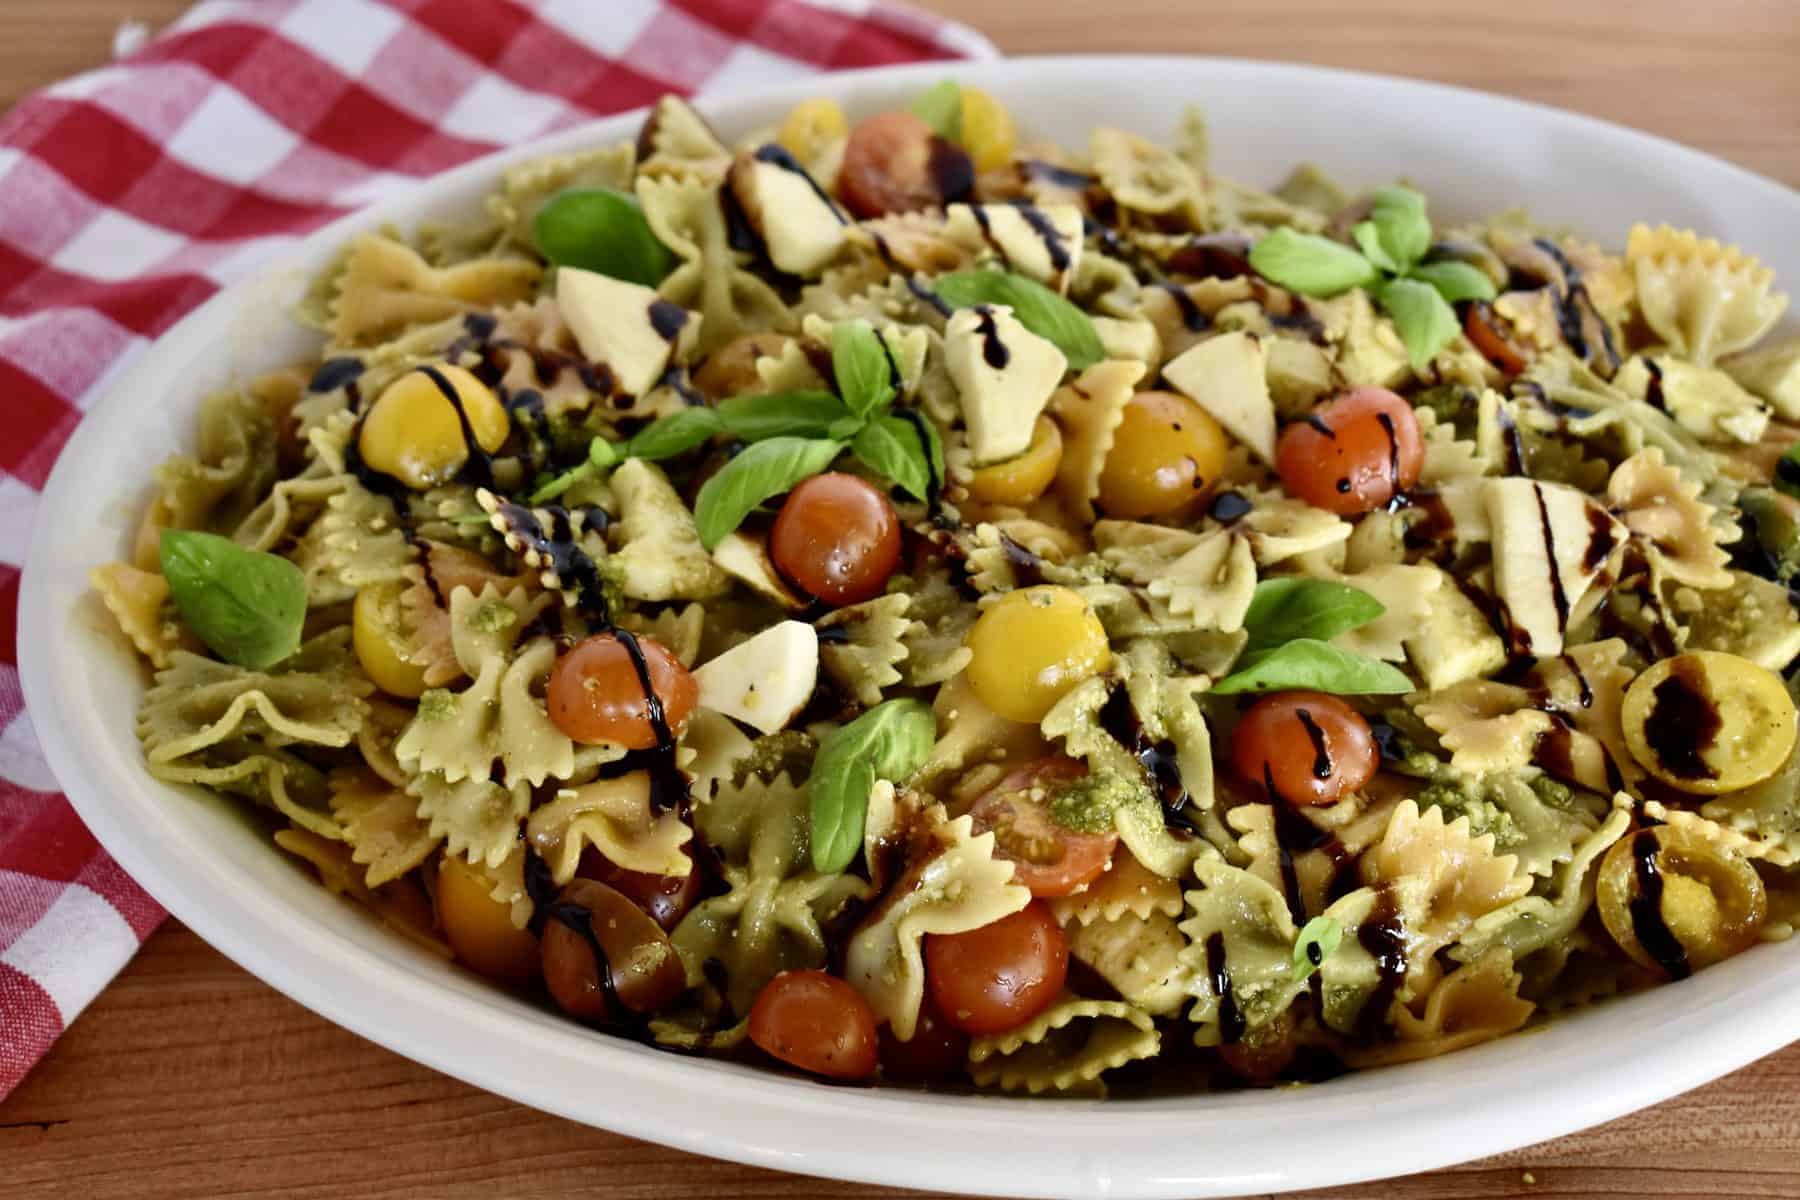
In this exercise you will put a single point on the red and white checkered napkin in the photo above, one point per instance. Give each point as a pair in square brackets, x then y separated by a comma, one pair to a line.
[131, 194]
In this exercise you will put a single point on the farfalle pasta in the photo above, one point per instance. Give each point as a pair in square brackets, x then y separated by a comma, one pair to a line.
[751, 597]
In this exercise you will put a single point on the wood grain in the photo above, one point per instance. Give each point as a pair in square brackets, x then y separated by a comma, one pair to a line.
[187, 1077]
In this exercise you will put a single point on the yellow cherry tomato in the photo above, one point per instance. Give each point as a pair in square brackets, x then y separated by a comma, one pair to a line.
[1675, 902]
[413, 434]
[479, 927]
[1166, 453]
[988, 132]
[812, 127]
[380, 640]
[1023, 478]
[1709, 722]
[1030, 647]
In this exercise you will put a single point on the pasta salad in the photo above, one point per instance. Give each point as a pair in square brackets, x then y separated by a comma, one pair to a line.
[905, 603]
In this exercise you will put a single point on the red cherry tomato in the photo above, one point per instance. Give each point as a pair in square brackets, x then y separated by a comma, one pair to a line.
[998, 977]
[837, 538]
[1487, 332]
[595, 693]
[894, 163]
[1048, 858]
[938, 1050]
[1353, 453]
[1311, 748]
[666, 898]
[637, 967]
[817, 1022]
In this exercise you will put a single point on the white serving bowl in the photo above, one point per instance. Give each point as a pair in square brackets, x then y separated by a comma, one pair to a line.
[1472, 153]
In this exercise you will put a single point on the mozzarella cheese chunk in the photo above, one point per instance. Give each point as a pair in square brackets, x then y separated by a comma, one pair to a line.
[1039, 242]
[1455, 641]
[766, 681]
[1228, 377]
[801, 226]
[625, 326]
[1135, 340]
[747, 559]
[1004, 375]
[1550, 543]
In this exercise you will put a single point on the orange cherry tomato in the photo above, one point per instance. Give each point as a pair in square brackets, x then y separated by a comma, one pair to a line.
[894, 163]
[1308, 747]
[817, 1022]
[596, 695]
[666, 898]
[837, 538]
[1048, 858]
[998, 977]
[1166, 453]
[938, 1050]
[1353, 453]
[1488, 333]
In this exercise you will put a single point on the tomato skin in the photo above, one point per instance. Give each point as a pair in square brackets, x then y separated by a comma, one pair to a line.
[894, 163]
[998, 977]
[664, 898]
[1048, 858]
[817, 1022]
[595, 695]
[837, 538]
[938, 1050]
[1354, 453]
[1486, 331]
[1275, 744]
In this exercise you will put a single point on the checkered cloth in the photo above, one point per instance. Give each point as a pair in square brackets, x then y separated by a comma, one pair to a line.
[131, 194]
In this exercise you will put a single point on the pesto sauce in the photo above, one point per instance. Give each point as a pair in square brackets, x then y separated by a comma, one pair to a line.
[1087, 805]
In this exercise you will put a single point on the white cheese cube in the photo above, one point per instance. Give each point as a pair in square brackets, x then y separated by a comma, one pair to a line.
[1228, 377]
[1004, 375]
[625, 326]
[747, 559]
[800, 224]
[766, 681]
[1550, 542]
[1040, 242]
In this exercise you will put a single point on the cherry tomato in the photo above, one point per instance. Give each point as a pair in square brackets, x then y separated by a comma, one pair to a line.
[1487, 332]
[998, 977]
[643, 970]
[596, 695]
[1263, 1055]
[817, 1022]
[1166, 452]
[1048, 858]
[1313, 749]
[837, 538]
[938, 1050]
[479, 928]
[1675, 902]
[1354, 453]
[894, 163]
[666, 898]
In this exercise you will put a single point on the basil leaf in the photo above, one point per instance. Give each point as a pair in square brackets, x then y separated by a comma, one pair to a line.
[1368, 240]
[861, 366]
[556, 485]
[940, 107]
[1310, 264]
[1288, 608]
[1311, 665]
[781, 414]
[601, 230]
[1456, 280]
[1425, 319]
[764, 469]
[890, 741]
[1037, 308]
[246, 605]
[1398, 215]
[680, 431]
[934, 441]
[1319, 940]
[890, 446]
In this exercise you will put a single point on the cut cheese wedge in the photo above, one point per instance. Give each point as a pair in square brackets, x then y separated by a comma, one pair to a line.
[1550, 543]
[1228, 377]
[765, 681]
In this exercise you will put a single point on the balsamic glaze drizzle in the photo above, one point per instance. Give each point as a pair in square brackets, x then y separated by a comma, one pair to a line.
[1159, 759]
[992, 348]
[1645, 907]
[1194, 320]
[1683, 721]
[1232, 1025]
[1558, 595]
[1322, 765]
[1318, 423]
[1382, 935]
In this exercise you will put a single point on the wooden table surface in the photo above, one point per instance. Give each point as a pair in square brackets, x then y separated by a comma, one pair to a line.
[187, 1077]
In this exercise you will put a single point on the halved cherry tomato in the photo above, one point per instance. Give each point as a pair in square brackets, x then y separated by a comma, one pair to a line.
[837, 538]
[998, 977]
[637, 967]
[1311, 748]
[1487, 332]
[666, 898]
[1353, 453]
[938, 1050]
[817, 1022]
[894, 163]
[1048, 858]
[596, 695]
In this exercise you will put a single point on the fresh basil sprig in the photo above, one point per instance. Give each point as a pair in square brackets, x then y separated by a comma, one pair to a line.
[1318, 941]
[1035, 306]
[1290, 607]
[764, 469]
[940, 106]
[1308, 664]
[863, 367]
[890, 741]
[246, 605]
[676, 433]
[601, 230]
[1387, 260]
